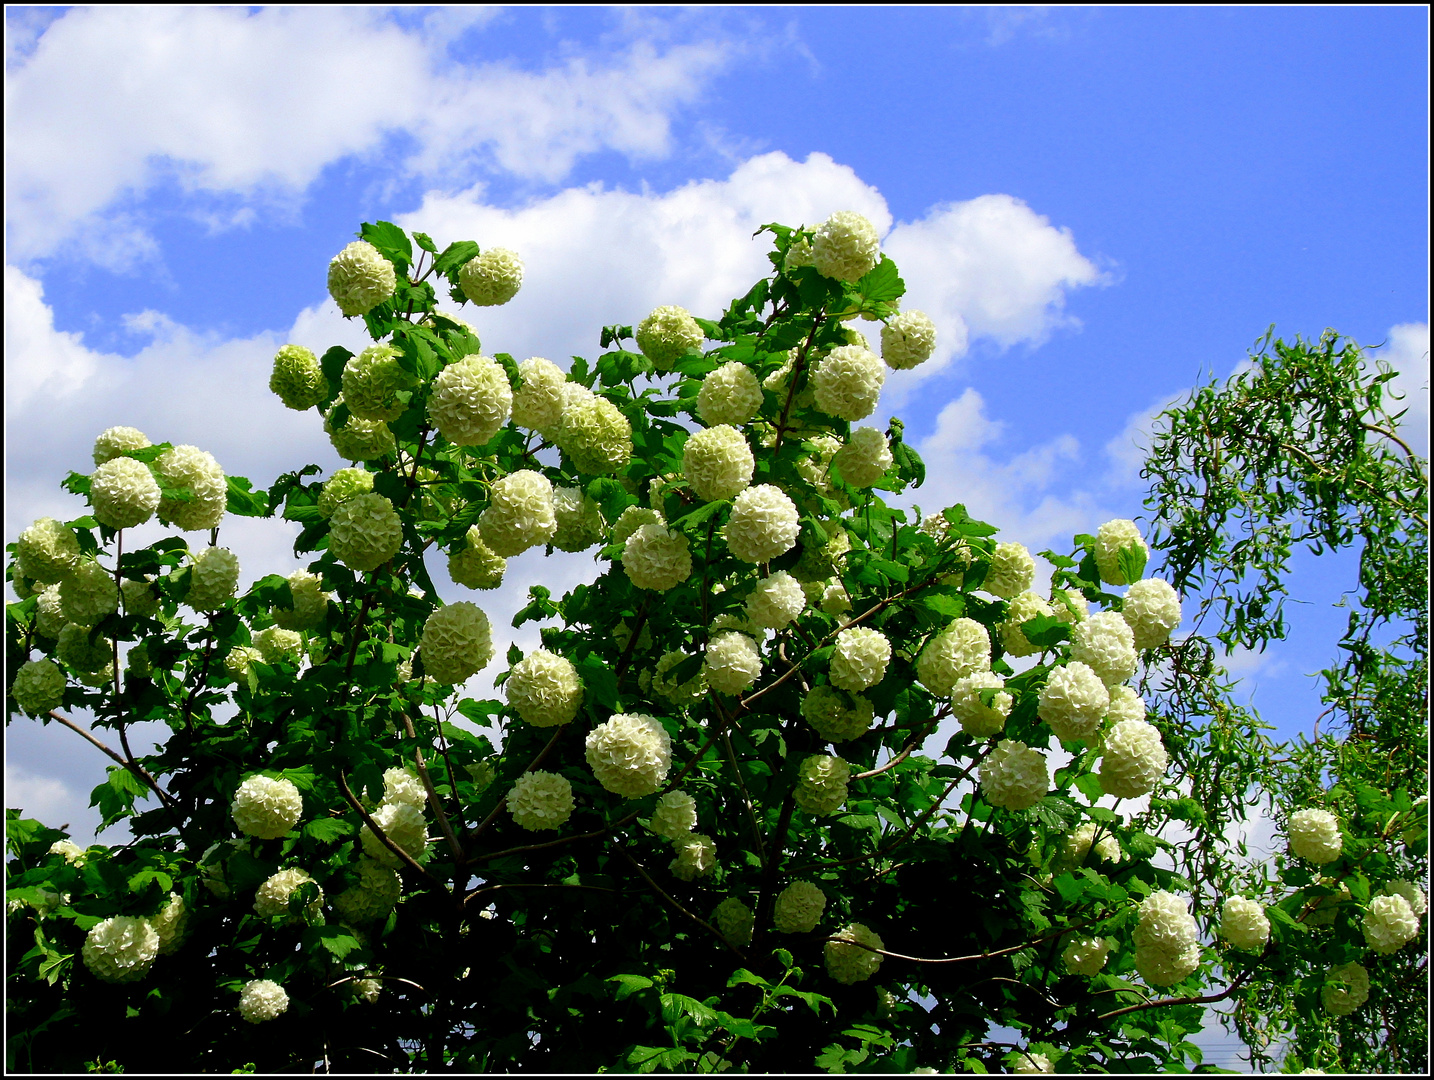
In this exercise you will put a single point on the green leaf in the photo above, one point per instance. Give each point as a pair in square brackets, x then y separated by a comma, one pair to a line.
[424, 241]
[334, 937]
[599, 679]
[327, 829]
[1132, 558]
[453, 257]
[627, 985]
[391, 241]
[244, 501]
[882, 283]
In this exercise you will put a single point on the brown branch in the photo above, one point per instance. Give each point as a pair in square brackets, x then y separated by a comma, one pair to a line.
[483, 825]
[1204, 999]
[666, 896]
[558, 842]
[443, 826]
[131, 765]
[383, 837]
[798, 366]
[974, 956]
[911, 746]
[627, 652]
[741, 782]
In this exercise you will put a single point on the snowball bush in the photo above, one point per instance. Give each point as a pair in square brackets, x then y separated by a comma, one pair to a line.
[1345, 989]
[734, 920]
[1086, 955]
[1105, 643]
[859, 659]
[835, 715]
[775, 601]
[519, 515]
[730, 394]
[471, 400]
[1014, 776]
[544, 689]
[1314, 836]
[1023, 607]
[1011, 572]
[457, 642]
[798, 908]
[848, 381]
[667, 334]
[123, 493]
[538, 403]
[1135, 760]
[630, 754]
[360, 278]
[717, 462]
[845, 246]
[962, 649]
[763, 524]
[271, 900]
[475, 566]
[696, 857]
[1389, 923]
[1166, 943]
[847, 960]
[541, 800]
[978, 719]
[908, 339]
[675, 814]
[213, 579]
[403, 824]
[656, 557]
[493, 278]
[266, 807]
[1152, 609]
[365, 532]
[263, 999]
[1073, 702]
[298, 379]
[732, 662]
[1244, 925]
[821, 784]
[1109, 540]
[120, 949]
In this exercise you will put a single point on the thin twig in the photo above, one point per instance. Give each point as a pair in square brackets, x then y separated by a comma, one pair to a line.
[443, 825]
[383, 837]
[666, 896]
[483, 825]
[131, 765]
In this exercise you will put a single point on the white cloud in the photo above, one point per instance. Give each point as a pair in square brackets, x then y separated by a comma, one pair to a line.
[1408, 353]
[111, 101]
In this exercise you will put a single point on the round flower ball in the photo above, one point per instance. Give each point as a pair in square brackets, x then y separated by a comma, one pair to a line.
[538, 402]
[75, 648]
[1079, 843]
[1125, 704]
[39, 686]
[775, 601]
[240, 662]
[908, 339]
[1314, 836]
[401, 785]
[471, 400]
[1011, 572]
[266, 807]
[457, 642]
[358, 439]
[1412, 894]
[822, 784]
[372, 897]
[977, 719]
[593, 432]
[365, 532]
[668, 333]
[360, 278]
[520, 514]
[1389, 924]
[849, 956]
[865, 458]
[656, 557]
[1110, 539]
[271, 900]
[1086, 955]
[540, 800]
[845, 246]
[1166, 949]
[1073, 702]
[123, 493]
[192, 468]
[277, 645]
[848, 381]
[1105, 643]
[734, 921]
[342, 486]
[732, 663]
[1014, 776]
[476, 566]
[370, 382]
[117, 441]
[859, 659]
[798, 908]
[120, 949]
[632, 519]
[1069, 605]
[580, 524]
[1027, 1061]
[1024, 607]
[696, 857]
[493, 278]
[681, 695]
[310, 603]
[675, 815]
[763, 525]
[963, 648]
[403, 824]
[1345, 989]
[730, 395]
[1152, 609]
[298, 378]
[47, 551]
[88, 594]
[836, 715]
[171, 923]
[630, 754]
[263, 999]
[50, 612]
[544, 689]
[1134, 761]
[717, 462]
[213, 579]
[1244, 925]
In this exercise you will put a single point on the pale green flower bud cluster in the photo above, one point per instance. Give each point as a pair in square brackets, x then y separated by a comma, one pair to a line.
[865, 458]
[298, 378]
[1014, 776]
[365, 532]
[696, 857]
[845, 246]
[732, 663]
[630, 754]
[342, 486]
[593, 432]
[822, 784]
[117, 441]
[580, 523]
[1134, 761]
[192, 468]
[47, 551]
[123, 493]
[39, 686]
[538, 403]
[730, 395]
[717, 462]
[457, 642]
[402, 823]
[311, 603]
[859, 659]
[240, 661]
[471, 400]
[266, 807]
[668, 333]
[520, 514]
[1345, 989]
[49, 612]
[1086, 955]
[213, 579]
[835, 715]
[1073, 702]
[846, 960]
[75, 648]
[360, 278]
[492, 278]
[1023, 607]
[1012, 571]
[476, 566]
[908, 339]
[88, 593]
[358, 439]
[541, 800]
[962, 649]
[277, 645]
[372, 897]
[977, 719]
[371, 381]
[544, 689]
[798, 908]
[734, 921]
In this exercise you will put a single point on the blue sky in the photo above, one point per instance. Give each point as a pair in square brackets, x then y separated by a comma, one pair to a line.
[1095, 205]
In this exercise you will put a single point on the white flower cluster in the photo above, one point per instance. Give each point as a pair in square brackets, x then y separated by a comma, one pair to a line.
[358, 439]
[846, 959]
[1166, 944]
[492, 278]
[1243, 924]
[47, 551]
[822, 784]
[123, 493]
[342, 486]
[1152, 608]
[630, 754]
[365, 532]
[266, 807]
[88, 594]
[717, 462]
[683, 694]
[865, 458]
[540, 800]
[1014, 776]
[271, 900]
[848, 381]
[263, 999]
[72, 852]
[732, 662]
[213, 579]
[276, 645]
[775, 601]
[962, 649]
[75, 648]
[764, 524]
[471, 400]
[1073, 702]
[370, 382]
[730, 394]
[1078, 845]
[1314, 836]
[1389, 923]
[544, 689]
[734, 921]
[116, 441]
[298, 379]
[593, 432]
[360, 278]
[192, 468]
[1345, 989]
[1109, 540]
[476, 566]
[1412, 894]
[1327, 907]
[696, 857]
[402, 823]
[1086, 956]
[908, 339]
[580, 523]
[835, 599]
[1030, 1062]
[50, 612]
[457, 642]
[538, 403]
[1125, 704]
[656, 557]
[1069, 605]
[171, 923]
[798, 908]
[859, 659]
[667, 334]
[121, 949]
[372, 897]
[39, 686]
[310, 606]
[845, 246]
[1105, 643]
[835, 715]
[1023, 607]
[401, 785]
[675, 815]
[1011, 572]
[1134, 761]
[977, 719]
[820, 563]
[240, 662]
[519, 515]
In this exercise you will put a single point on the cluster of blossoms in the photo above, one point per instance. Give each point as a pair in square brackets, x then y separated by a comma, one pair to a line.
[798, 908]
[734, 921]
[822, 784]
[541, 800]
[849, 953]
[266, 807]
[630, 754]
[544, 689]
[1314, 836]
[457, 642]
[1167, 948]
[1244, 925]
